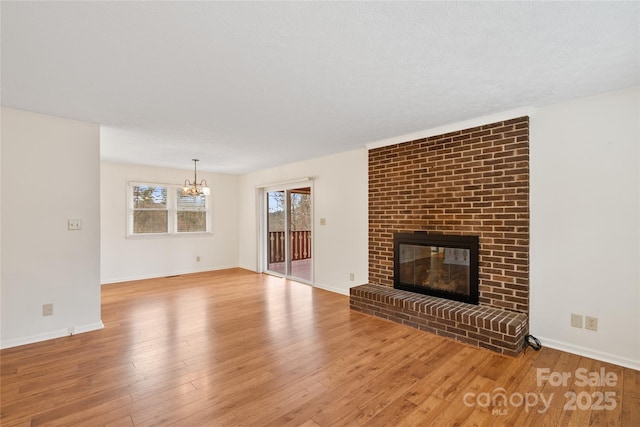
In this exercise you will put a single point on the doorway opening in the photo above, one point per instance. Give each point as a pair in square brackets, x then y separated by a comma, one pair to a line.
[288, 237]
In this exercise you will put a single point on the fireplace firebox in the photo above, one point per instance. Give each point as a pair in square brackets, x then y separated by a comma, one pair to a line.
[444, 266]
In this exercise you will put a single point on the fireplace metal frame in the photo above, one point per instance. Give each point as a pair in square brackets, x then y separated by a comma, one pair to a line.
[440, 240]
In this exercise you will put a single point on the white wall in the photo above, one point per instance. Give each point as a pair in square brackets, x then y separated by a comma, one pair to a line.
[585, 225]
[145, 257]
[340, 190]
[50, 173]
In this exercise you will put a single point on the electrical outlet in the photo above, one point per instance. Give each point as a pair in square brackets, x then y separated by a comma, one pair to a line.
[47, 310]
[591, 323]
[197, 259]
[74, 224]
[576, 320]
[352, 277]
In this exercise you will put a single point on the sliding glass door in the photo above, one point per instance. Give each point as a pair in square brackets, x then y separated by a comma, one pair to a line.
[288, 233]
[276, 232]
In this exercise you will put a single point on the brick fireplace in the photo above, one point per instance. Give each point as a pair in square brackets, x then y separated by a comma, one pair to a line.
[473, 182]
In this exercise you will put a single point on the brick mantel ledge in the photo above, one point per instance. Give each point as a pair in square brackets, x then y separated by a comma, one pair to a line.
[498, 330]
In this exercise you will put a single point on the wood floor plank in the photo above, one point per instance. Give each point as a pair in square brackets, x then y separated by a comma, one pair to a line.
[630, 410]
[631, 383]
[232, 347]
[424, 412]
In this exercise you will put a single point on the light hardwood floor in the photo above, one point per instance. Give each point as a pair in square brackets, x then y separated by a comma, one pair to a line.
[236, 348]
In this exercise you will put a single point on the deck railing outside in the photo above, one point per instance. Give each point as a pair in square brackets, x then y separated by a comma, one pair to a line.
[300, 245]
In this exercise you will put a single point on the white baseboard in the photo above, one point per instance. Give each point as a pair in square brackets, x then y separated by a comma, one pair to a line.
[331, 289]
[592, 354]
[155, 276]
[250, 268]
[58, 333]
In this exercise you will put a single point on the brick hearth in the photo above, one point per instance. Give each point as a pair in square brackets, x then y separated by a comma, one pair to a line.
[498, 330]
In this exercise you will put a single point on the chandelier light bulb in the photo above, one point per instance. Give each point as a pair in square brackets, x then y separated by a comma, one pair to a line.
[195, 189]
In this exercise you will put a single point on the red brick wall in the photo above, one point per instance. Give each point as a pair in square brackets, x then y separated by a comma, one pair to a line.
[470, 182]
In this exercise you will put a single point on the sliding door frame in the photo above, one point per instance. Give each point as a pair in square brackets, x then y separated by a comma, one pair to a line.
[262, 207]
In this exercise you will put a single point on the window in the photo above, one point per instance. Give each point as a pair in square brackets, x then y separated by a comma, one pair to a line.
[191, 213]
[162, 209]
[150, 213]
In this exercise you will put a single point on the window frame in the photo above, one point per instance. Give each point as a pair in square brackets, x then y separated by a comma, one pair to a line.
[172, 212]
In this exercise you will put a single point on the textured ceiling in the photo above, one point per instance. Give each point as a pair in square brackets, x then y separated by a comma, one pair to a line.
[249, 85]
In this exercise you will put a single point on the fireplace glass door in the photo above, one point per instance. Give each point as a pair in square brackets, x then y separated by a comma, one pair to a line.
[439, 265]
[438, 268]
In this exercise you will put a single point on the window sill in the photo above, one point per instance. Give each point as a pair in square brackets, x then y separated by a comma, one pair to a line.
[167, 235]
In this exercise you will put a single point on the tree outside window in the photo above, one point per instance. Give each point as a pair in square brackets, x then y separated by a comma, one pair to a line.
[163, 209]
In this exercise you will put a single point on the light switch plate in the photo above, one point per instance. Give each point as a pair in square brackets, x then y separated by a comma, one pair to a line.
[576, 320]
[47, 310]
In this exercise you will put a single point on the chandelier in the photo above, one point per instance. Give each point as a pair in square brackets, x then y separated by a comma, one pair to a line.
[193, 188]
